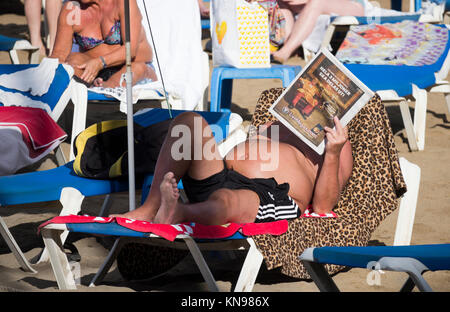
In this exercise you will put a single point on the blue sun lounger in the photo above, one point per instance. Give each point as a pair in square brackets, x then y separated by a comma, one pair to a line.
[123, 236]
[63, 184]
[398, 82]
[414, 260]
[395, 83]
[250, 268]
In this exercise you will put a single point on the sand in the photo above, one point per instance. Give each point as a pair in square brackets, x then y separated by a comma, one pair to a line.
[431, 225]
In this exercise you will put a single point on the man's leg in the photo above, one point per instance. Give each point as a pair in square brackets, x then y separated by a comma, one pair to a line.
[194, 139]
[223, 206]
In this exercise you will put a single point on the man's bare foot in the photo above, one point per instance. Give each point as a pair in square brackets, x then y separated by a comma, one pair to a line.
[168, 212]
[142, 214]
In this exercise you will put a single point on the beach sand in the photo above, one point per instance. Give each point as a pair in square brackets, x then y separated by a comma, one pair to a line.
[431, 226]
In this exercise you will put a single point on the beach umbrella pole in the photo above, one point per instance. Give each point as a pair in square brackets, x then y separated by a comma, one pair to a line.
[129, 97]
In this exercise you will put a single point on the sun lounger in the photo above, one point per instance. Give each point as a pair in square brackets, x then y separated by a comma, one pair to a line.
[63, 184]
[414, 260]
[378, 15]
[194, 237]
[360, 210]
[53, 102]
[433, 13]
[62, 89]
[12, 45]
[396, 81]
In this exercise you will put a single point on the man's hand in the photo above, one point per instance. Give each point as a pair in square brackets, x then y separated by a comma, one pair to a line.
[335, 138]
[90, 69]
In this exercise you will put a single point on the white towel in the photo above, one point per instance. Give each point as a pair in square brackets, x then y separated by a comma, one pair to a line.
[35, 80]
[149, 90]
[176, 29]
[18, 99]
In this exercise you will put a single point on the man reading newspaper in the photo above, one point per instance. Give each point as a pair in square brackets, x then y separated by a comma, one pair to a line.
[271, 176]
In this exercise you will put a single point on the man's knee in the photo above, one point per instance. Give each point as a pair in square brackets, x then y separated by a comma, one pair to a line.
[188, 118]
[236, 205]
[227, 201]
[223, 197]
[196, 124]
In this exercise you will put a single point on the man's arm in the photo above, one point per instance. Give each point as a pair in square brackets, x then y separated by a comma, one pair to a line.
[335, 171]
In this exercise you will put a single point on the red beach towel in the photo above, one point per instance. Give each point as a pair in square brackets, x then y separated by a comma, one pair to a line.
[170, 231]
[27, 134]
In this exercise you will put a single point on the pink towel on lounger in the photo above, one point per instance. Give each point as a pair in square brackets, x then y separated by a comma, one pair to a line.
[170, 231]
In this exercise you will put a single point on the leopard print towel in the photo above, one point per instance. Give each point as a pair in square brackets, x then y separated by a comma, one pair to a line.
[371, 194]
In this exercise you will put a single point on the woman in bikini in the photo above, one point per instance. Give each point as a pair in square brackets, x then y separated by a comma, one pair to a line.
[98, 27]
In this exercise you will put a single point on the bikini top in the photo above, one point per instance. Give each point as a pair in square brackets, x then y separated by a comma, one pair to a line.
[113, 37]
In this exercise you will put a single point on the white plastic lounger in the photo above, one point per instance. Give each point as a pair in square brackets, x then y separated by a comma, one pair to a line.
[63, 184]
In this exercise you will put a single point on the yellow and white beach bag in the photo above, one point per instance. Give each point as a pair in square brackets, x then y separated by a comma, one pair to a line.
[240, 34]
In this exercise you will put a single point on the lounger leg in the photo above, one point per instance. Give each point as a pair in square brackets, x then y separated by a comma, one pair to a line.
[107, 203]
[58, 259]
[201, 263]
[408, 286]
[320, 276]
[409, 127]
[79, 100]
[328, 36]
[103, 270]
[60, 158]
[408, 203]
[34, 56]
[12, 244]
[250, 269]
[14, 57]
[416, 280]
[412, 266]
[71, 200]
[447, 101]
[420, 115]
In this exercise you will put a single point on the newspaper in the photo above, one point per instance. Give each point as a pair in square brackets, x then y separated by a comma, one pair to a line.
[322, 90]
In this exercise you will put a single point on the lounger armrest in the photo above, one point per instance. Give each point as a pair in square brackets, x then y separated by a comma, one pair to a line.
[308, 255]
[24, 45]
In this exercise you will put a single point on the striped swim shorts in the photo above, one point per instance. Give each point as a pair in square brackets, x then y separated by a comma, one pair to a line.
[274, 201]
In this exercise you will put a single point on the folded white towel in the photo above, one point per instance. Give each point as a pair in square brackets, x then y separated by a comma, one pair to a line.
[141, 91]
[177, 37]
[18, 99]
[36, 80]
